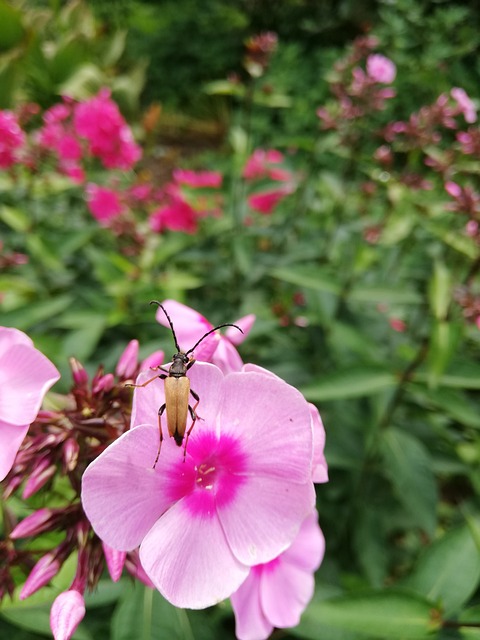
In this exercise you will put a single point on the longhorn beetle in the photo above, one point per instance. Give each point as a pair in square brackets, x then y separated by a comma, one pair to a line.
[177, 389]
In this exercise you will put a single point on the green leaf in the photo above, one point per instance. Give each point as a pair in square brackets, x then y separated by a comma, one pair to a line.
[444, 340]
[465, 375]
[11, 27]
[409, 468]
[26, 317]
[376, 614]
[382, 293]
[308, 276]
[351, 383]
[142, 614]
[15, 218]
[440, 291]
[470, 616]
[453, 402]
[449, 570]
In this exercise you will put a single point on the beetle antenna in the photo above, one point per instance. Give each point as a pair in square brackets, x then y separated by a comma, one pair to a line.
[169, 322]
[226, 324]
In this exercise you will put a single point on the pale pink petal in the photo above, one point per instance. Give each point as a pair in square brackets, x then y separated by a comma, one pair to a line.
[155, 359]
[188, 560]
[122, 495]
[11, 437]
[226, 357]
[278, 440]
[10, 336]
[66, 614]
[265, 517]
[320, 467]
[285, 592]
[308, 548]
[25, 377]
[250, 621]
[245, 324]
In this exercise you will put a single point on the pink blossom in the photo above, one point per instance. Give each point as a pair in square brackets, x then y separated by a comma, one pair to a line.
[453, 189]
[397, 324]
[381, 69]
[25, 377]
[471, 228]
[259, 165]
[236, 500]
[103, 203]
[178, 215]
[12, 139]
[109, 138]
[465, 104]
[66, 614]
[275, 594]
[190, 326]
[266, 201]
[198, 178]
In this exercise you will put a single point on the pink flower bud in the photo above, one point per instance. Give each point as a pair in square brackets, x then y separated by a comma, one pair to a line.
[66, 614]
[453, 189]
[104, 383]
[79, 375]
[41, 574]
[70, 454]
[33, 524]
[115, 561]
[153, 360]
[127, 363]
[38, 478]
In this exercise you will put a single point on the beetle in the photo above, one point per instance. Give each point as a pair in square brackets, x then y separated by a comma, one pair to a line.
[177, 389]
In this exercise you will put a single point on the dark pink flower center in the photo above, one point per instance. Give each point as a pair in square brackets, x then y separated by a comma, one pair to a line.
[211, 475]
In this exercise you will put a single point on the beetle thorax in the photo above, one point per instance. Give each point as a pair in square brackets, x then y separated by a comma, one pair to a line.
[178, 368]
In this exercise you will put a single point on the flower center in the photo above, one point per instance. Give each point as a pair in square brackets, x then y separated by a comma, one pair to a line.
[206, 475]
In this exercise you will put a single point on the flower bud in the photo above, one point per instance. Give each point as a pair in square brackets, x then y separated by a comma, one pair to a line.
[79, 375]
[66, 614]
[127, 363]
[115, 561]
[46, 568]
[33, 524]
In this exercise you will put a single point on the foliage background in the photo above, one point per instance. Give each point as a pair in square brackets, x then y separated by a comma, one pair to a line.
[401, 409]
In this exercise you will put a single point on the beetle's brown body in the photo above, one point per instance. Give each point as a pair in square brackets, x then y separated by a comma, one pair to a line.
[177, 390]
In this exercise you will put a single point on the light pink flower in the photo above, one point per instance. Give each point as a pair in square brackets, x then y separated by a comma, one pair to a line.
[381, 69]
[198, 179]
[237, 499]
[12, 139]
[66, 614]
[275, 594]
[466, 104]
[259, 165]
[453, 189]
[266, 201]
[218, 349]
[25, 377]
[104, 204]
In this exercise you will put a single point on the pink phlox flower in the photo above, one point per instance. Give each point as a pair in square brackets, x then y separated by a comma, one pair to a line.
[397, 325]
[25, 377]
[453, 189]
[103, 203]
[262, 164]
[198, 179]
[465, 104]
[67, 612]
[12, 139]
[100, 122]
[381, 69]
[218, 349]
[236, 500]
[276, 594]
[266, 201]
[177, 215]
[471, 228]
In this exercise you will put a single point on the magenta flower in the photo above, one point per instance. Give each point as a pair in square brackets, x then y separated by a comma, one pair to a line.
[198, 179]
[236, 500]
[465, 104]
[177, 215]
[104, 204]
[12, 139]
[25, 377]
[381, 69]
[262, 163]
[266, 201]
[218, 349]
[276, 593]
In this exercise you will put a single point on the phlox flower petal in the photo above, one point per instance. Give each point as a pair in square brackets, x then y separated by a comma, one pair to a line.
[246, 323]
[178, 559]
[11, 437]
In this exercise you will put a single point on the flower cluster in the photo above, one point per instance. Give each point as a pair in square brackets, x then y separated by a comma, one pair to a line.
[265, 164]
[12, 139]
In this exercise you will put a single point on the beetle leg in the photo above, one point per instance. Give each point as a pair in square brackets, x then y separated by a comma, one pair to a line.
[191, 363]
[194, 417]
[160, 413]
[144, 384]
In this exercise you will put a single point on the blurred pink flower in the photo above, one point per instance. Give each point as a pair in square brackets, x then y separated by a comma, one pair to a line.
[397, 324]
[100, 122]
[266, 201]
[453, 189]
[381, 69]
[103, 203]
[471, 228]
[465, 104]
[12, 139]
[238, 499]
[276, 593]
[259, 165]
[218, 349]
[178, 215]
[198, 178]
[25, 377]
